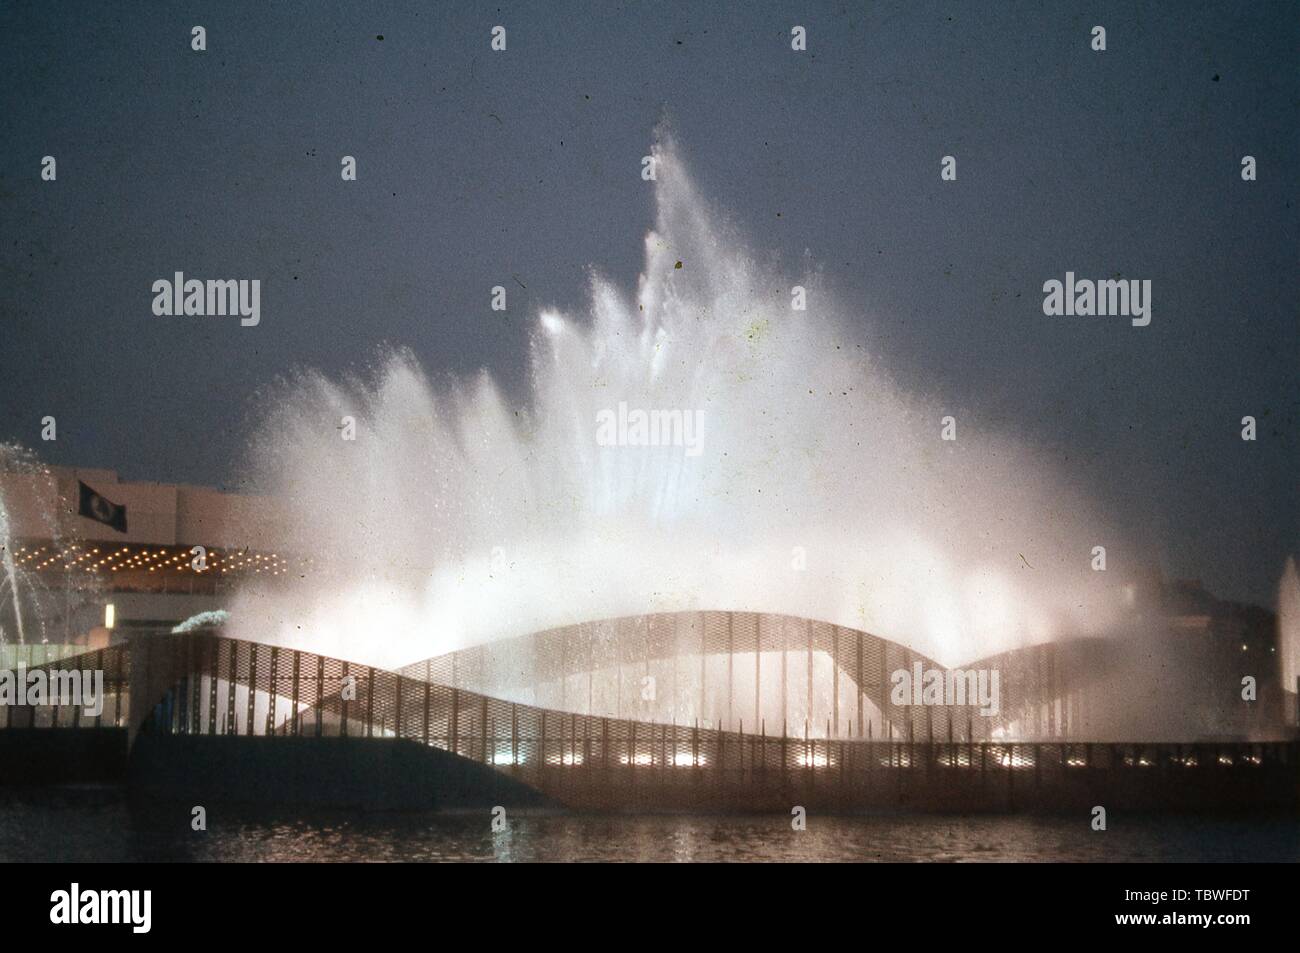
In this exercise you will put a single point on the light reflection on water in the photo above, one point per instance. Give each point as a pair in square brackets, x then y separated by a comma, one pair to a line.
[98, 824]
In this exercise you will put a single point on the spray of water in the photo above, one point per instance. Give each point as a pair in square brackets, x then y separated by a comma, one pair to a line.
[9, 582]
[821, 487]
[1288, 626]
[25, 599]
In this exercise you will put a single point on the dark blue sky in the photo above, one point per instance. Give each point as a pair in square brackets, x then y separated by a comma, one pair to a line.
[476, 166]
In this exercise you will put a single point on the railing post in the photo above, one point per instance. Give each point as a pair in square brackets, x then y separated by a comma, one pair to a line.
[76, 716]
[275, 679]
[785, 765]
[196, 683]
[857, 637]
[835, 684]
[586, 744]
[1011, 778]
[123, 684]
[542, 760]
[704, 673]
[99, 664]
[604, 742]
[182, 707]
[144, 681]
[297, 660]
[186, 667]
[232, 723]
[397, 716]
[370, 701]
[722, 755]
[731, 666]
[343, 703]
[426, 712]
[320, 693]
[252, 688]
[455, 721]
[808, 703]
[213, 667]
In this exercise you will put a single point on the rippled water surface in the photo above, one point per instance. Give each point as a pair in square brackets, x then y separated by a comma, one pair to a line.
[94, 824]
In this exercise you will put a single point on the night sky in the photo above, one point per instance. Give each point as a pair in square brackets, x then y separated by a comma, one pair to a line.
[522, 168]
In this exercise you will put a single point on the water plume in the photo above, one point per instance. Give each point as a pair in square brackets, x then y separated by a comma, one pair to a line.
[821, 488]
[34, 606]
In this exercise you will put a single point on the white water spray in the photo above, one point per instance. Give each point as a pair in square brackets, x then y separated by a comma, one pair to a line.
[820, 488]
[9, 577]
[22, 594]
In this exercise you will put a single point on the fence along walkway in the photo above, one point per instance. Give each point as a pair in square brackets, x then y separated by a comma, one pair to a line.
[114, 662]
[733, 669]
[211, 685]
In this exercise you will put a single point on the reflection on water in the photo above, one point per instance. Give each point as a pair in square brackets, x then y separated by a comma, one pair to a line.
[98, 824]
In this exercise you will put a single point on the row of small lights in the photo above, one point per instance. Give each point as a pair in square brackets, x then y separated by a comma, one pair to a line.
[180, 560]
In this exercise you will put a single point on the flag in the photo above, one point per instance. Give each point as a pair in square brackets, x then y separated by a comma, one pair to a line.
[95, 507]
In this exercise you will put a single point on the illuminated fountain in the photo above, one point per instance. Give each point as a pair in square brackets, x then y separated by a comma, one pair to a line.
[11, 615]
[43, 601]
[24, 596]
[821, 488]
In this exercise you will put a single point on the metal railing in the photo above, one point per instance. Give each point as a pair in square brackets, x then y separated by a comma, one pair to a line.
[206, 684]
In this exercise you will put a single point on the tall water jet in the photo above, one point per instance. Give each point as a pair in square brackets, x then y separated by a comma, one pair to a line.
[794, 476]
[1288, 631]
[43, 589]
[17, 586]
[9, 577]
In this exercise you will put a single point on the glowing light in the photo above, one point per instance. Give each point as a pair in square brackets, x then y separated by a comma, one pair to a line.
[568, 759]
[813, 760]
